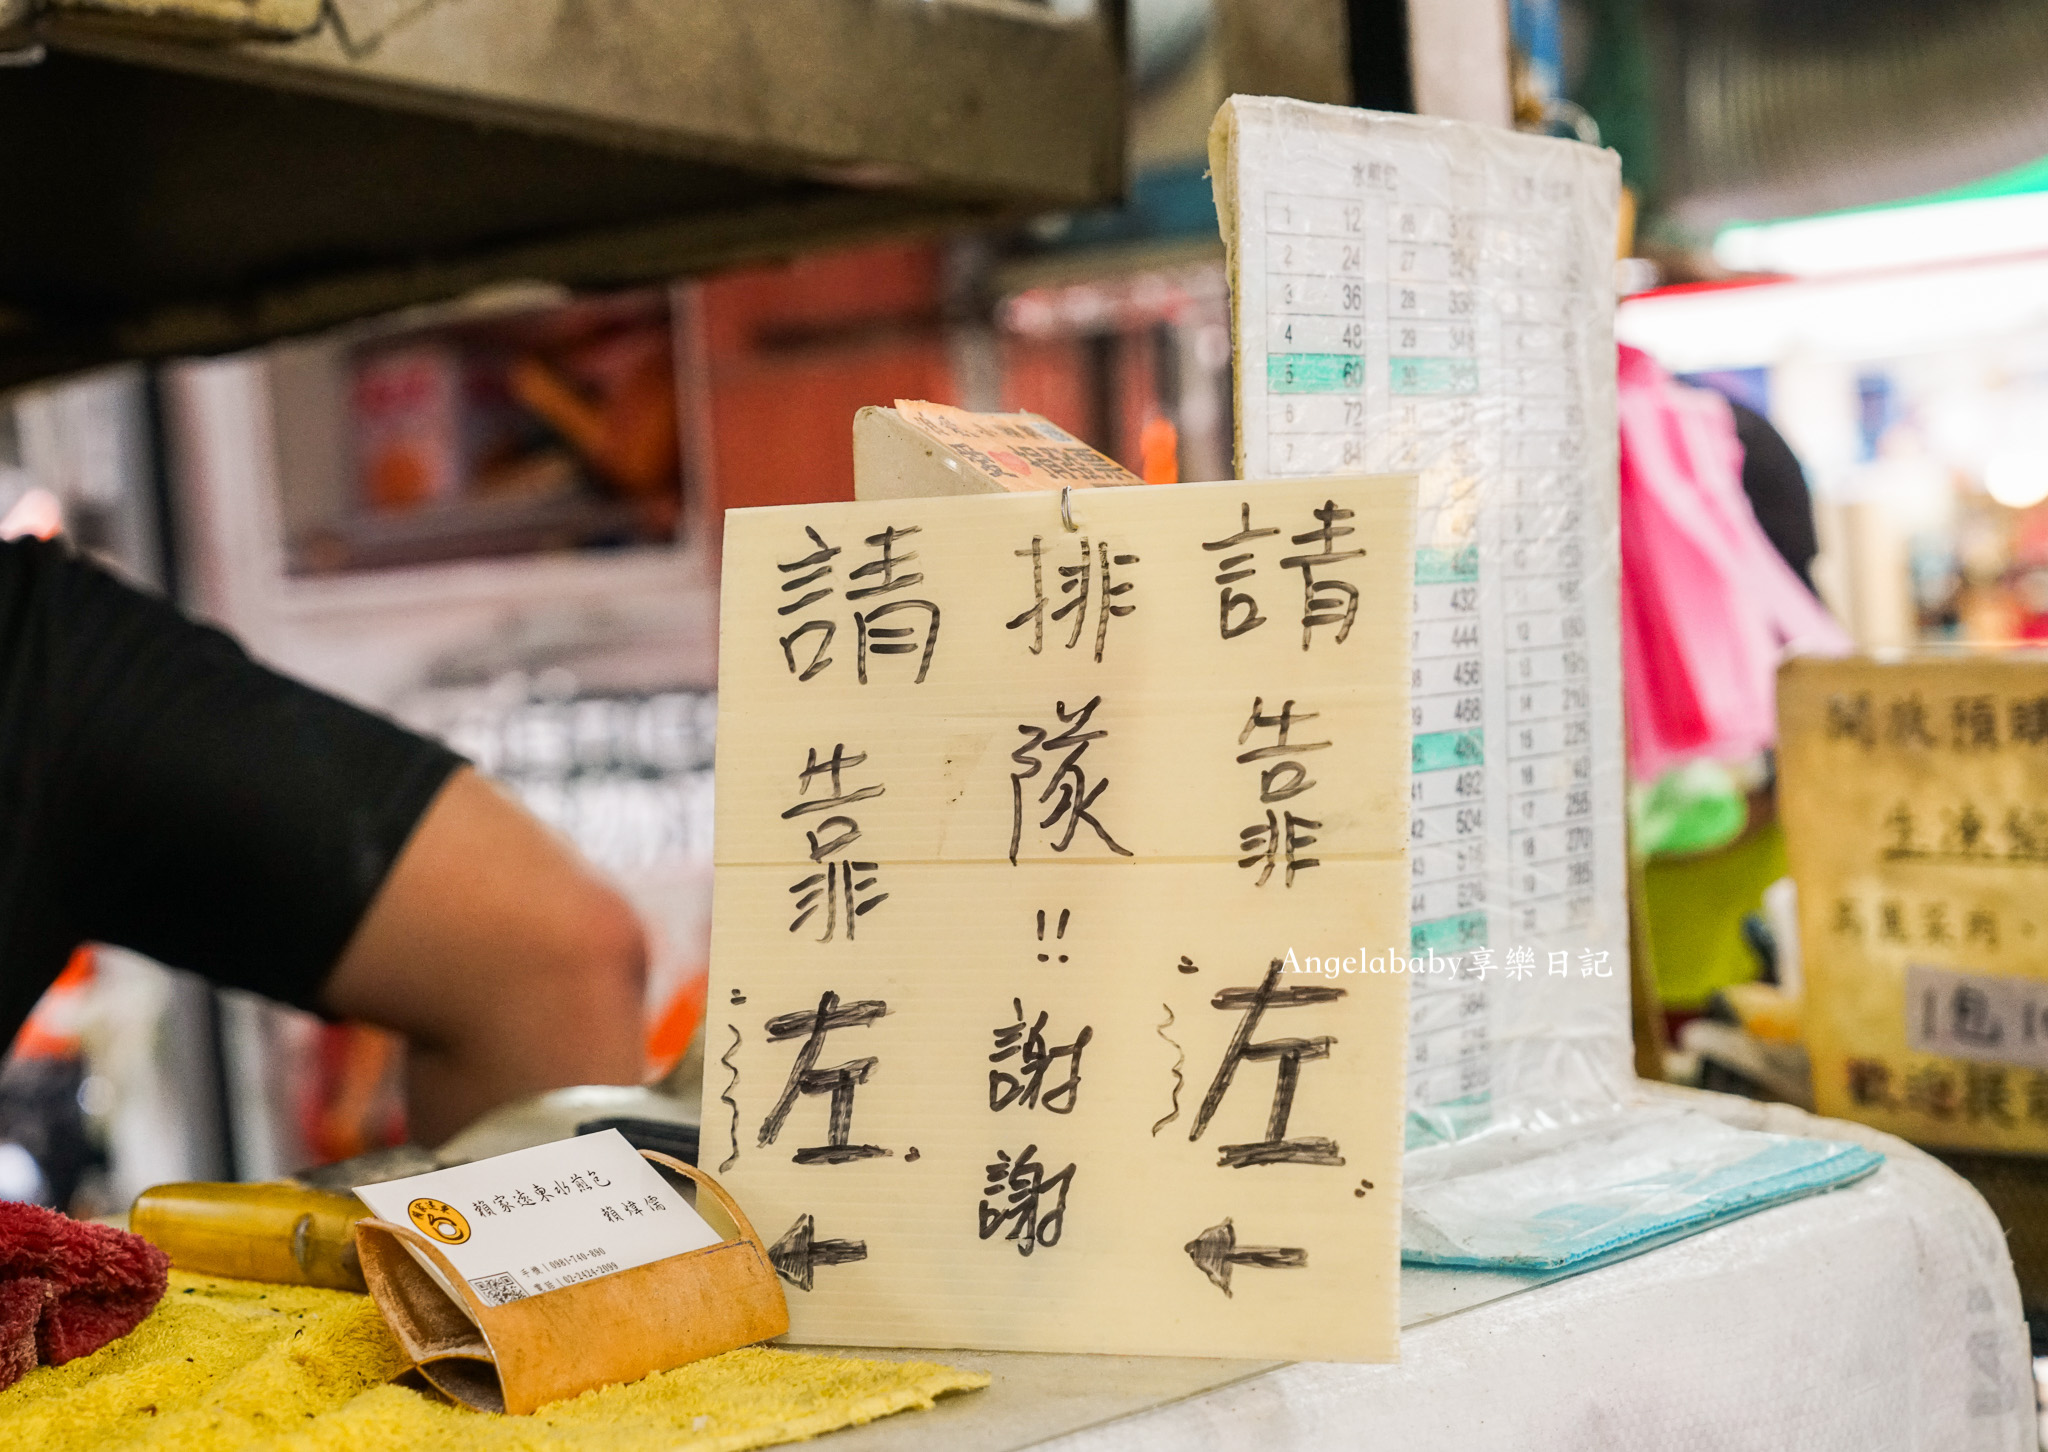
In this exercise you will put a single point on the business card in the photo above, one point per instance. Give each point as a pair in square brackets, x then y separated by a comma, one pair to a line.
[539, 1219]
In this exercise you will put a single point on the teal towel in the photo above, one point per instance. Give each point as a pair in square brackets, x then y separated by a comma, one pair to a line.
[1651, 1179]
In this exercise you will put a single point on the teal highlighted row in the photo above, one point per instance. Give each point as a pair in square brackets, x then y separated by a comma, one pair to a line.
[1437, 566]
[1449, 750]
[1466, 930]
[1436, 375]
[1314, 372]
[1453, 1119]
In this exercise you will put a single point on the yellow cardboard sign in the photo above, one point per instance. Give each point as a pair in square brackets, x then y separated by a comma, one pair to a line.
[1915, 802]
[1051, 864]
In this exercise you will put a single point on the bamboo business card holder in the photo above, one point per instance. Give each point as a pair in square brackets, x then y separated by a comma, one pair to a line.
[617, 1328]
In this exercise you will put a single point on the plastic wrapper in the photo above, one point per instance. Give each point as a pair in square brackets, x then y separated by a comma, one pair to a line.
[1884, 1315]
[1626, 1184]
[1423, 295]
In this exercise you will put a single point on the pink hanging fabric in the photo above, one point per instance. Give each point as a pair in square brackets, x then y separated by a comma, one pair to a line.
[1708, 607]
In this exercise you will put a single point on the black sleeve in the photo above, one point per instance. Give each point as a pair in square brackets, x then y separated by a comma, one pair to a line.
[163, 792]
[1776, 487]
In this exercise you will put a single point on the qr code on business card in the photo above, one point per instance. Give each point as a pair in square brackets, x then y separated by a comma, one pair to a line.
[499, 1290]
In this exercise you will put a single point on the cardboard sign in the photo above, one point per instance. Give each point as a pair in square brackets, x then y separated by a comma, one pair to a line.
[1052, 865]
[1915, 803]
[916, 450]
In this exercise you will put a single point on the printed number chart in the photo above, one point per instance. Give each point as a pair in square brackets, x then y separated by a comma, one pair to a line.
[1039, 853]
[1426, 295]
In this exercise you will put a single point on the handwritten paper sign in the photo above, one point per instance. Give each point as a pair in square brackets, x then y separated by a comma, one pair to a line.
[1915, 802]
[1050, 864]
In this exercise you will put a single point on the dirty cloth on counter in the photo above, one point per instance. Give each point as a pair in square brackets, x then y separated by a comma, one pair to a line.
[227, 1365]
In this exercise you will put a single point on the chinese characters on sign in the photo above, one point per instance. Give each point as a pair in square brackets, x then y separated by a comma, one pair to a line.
[1078, 584]
[805, 647]
[1912, 797]
[1287, 1055]
[1066, 786]
[1327, 600]
[843, 880]
[1282, 837]
[1002, 931]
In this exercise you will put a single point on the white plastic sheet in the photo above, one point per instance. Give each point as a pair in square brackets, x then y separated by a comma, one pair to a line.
[1427, 295]
[1881, 1316]
[1613, 1187]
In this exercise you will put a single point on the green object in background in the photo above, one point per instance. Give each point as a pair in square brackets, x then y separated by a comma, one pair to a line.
[1696, 905]
[1692, 808]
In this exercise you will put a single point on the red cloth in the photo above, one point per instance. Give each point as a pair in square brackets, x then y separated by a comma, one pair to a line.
[21, 1307]
[68, 1287]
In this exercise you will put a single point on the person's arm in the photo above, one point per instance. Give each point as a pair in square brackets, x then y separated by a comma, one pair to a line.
[506, 963]
[161, 791]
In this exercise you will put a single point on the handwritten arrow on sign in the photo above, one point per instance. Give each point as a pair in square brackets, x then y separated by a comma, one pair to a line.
[1216, 1250]
[799, 1253]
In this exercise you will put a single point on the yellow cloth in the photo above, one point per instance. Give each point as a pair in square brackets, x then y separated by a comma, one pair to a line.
[235, 1364]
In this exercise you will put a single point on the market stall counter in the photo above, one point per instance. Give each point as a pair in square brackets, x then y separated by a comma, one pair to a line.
[1881, 1315]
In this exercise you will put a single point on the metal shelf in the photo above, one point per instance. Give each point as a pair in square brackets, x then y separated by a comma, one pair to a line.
[173, 188]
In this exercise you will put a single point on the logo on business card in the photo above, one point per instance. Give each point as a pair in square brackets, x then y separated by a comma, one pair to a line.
[440, 1220]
